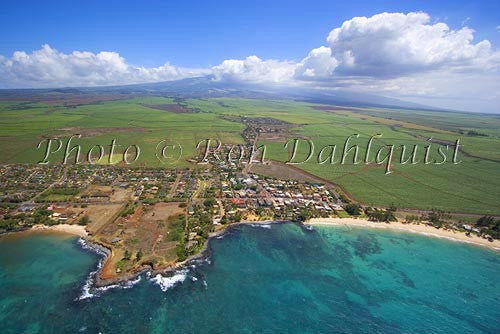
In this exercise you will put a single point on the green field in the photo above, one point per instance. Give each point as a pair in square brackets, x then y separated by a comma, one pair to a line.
[472, 186]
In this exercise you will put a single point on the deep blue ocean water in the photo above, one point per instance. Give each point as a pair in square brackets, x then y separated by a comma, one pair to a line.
[279, 279]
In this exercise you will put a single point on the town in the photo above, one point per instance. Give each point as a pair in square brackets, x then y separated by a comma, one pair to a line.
[165, 215]
[157, 217]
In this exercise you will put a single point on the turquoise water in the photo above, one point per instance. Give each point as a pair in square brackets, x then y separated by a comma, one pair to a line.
[282, 279]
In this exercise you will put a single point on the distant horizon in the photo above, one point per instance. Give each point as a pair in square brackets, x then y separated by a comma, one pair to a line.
[416, 106]
[430, 54]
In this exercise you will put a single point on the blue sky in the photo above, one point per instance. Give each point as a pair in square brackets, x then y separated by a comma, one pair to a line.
[203, 33]
[439, 53]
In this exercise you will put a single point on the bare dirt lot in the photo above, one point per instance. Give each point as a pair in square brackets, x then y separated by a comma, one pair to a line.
[143, 236]
[101, 214]
[161, 211]
[115, 194]
[121, 195]
[279, 170]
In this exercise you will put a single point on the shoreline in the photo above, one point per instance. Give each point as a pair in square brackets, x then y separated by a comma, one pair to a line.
[205, 251]
[421, 229]
[202, 255]
[77, 230]
[68, 229]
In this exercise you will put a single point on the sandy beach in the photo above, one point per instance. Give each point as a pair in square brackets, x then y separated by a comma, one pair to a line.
[66, 228]
[414, 228]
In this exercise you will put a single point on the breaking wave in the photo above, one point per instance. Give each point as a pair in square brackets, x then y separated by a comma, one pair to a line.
[88, 289]
[267, 225]
[167, 282]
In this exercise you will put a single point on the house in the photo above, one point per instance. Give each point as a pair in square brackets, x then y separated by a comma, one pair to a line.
[63, 218]
[264, 202]
[26, 207]
[240, 203]
[336, 207]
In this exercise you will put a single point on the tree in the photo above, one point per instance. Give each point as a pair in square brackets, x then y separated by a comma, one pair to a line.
[343, 198]
[392, 208]
[352, 209]
[485, 221]
[203, 233]
[411, 218]
[127, 255]
[209, 202]
[205, 219]
[438, 217]
[377, 215]
[223, 220]
[181, 251]
[84, 220]
[304, 214]
[236, 217]
[138, 256]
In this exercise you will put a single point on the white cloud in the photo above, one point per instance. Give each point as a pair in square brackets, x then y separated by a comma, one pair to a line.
[48, 67]
[384, 46]
[393, 54]
[254, 69]
[395, 44]
[405, 56]
[319, 64]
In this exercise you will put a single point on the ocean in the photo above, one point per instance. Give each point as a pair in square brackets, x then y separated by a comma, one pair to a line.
[279, 278]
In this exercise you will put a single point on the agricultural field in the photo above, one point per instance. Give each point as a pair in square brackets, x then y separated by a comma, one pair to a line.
[471, 186]
[129, 122]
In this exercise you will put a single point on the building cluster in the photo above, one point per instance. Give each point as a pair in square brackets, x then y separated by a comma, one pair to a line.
[215, 193]
[264, 197]
[19, 183]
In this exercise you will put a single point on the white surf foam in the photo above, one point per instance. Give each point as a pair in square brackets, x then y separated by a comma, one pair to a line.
[261, 225]
[88, 291]
[166, 283]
